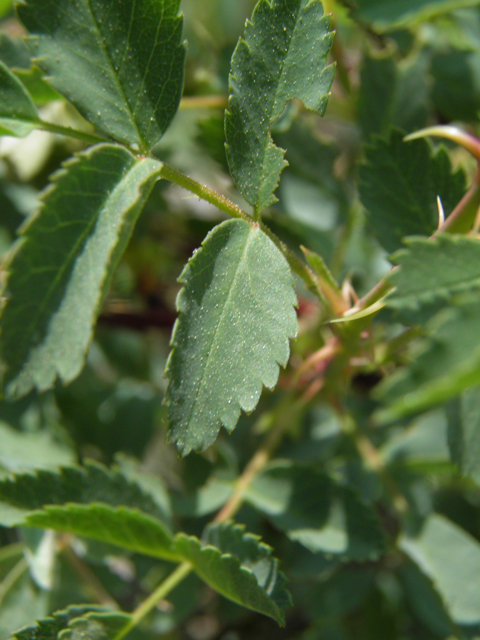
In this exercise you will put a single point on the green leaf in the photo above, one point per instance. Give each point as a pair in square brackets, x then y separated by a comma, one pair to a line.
[121, 64]
[456, 89]
[21, 494]
[463, 415]
[62, 266]
[424, 600]
[236, 316]
[446, 363]
[38, 450]
[386, 15]
[450, 557]
[285, 40]
[391, 94]
[18, 114]
[88, 621]
[239, 567]
[317, 512]
[434, 269]
[399, 186]
[124, 527]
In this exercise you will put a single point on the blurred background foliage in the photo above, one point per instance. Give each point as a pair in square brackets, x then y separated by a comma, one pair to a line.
[421, 69]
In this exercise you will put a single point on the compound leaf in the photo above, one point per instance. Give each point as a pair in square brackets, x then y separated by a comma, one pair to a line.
[399, 186]
[317, 512]
[446, 363]
[283, 43]
[239, 567]
[62, 266]
[450, 557]
[434, 269]
[18, 114]
[120, 63]
[236, 316]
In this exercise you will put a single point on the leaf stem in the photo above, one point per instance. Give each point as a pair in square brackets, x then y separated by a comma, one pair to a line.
[180, 573]
[89, 138]
[203, 192]
[204, 102]
[11, 578]
[259, 460]
[228, 207]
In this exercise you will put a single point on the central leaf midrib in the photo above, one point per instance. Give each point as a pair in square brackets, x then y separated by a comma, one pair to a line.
[274, 101]
[219, 323]
[102, 45]
[74, 252]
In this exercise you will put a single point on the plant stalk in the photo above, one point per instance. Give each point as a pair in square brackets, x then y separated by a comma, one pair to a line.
[180, 573]
[89, 138]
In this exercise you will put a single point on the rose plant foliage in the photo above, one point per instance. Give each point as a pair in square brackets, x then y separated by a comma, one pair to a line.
[240, 317]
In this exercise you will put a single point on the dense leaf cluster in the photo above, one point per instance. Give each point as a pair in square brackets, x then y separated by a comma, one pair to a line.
[304, 323]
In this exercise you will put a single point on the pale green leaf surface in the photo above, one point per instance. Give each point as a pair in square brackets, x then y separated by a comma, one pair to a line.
[238, 566]
[399, 185]
[88, 618]
[389, 14]
[80, 485]
[236, 317]
[444, 364]
[21, 451]
[317, 512]
[434, 269]
[120, 63]
[18, 114]
[63, 263]
[124, 527]
[281, 56]
[450, 557]
[463, 415]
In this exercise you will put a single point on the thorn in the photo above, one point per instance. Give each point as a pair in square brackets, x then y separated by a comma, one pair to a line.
[441, 212]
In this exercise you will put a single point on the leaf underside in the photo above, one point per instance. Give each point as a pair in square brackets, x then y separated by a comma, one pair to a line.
[236, 317]
[434, 269]
[282, 56]
[450, 557]
[61, 267]
[18, 114]
[399, 185]
[120, 63]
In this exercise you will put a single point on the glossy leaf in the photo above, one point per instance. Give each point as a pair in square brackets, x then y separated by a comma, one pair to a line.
[463, 414]
[284, 41]
[434, 269]
[88, 622]
[62, 266]
[121, 64]
[385, 15]
[18, 114]
[450, 557]
[399, 186]
[317, 512]
[236, 316]
[444, 364]
[238, 566]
